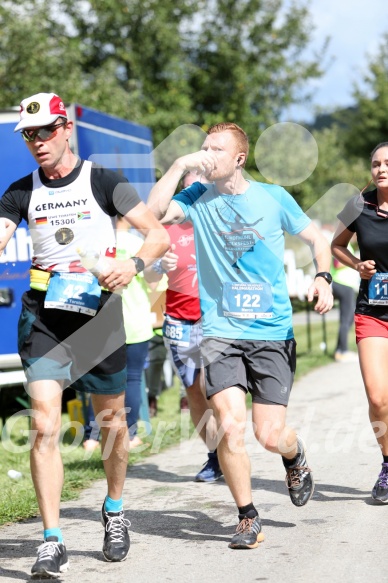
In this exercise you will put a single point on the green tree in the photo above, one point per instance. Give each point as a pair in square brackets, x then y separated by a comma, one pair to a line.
[200, 62]
[37, 53]
[162, 64]
[33, 51]
[368, 123]
[335, 169]
[141, 42]
[247, 63]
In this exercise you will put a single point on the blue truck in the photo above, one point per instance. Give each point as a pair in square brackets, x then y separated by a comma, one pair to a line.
[105, 139]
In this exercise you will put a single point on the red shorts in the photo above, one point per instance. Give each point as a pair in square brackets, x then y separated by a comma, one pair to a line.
[367, 326]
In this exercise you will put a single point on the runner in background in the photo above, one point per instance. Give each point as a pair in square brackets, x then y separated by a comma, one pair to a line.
[182, 333]
[345, 284]
[138, 331]
[366, 215]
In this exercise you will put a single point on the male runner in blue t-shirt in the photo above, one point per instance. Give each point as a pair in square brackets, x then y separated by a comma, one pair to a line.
[248, 340]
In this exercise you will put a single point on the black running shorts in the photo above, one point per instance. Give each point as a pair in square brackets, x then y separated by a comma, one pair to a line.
[264, 368]
[85, 352]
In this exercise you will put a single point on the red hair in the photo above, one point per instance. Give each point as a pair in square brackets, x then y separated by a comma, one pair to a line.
[240, 137]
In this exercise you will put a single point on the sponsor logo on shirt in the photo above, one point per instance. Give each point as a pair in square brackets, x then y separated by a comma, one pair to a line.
[51, 192]
[64, 236]
[185, 240]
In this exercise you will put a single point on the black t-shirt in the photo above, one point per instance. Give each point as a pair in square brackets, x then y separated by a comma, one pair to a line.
[359, 216]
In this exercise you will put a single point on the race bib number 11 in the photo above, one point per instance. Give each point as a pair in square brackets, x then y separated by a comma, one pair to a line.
[378, 290]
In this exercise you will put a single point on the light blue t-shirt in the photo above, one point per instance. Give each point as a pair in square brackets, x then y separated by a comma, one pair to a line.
[240, 258]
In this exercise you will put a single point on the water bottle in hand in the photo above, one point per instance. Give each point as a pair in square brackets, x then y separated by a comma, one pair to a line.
[92, 261]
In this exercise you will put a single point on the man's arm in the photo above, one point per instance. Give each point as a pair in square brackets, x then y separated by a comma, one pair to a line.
[167, 263]
[156, 243]
[159, 200]
[321, 254]
[7, 229]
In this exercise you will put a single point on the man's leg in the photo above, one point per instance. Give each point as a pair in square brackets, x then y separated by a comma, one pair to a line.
[230, 412]
[47, 474]
[199, 407]
[45, 457]
[269, 421]
[110, 414]
[224, 362]
[187, 364]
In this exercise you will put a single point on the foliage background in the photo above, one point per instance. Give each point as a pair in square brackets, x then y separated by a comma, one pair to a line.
[169, 63]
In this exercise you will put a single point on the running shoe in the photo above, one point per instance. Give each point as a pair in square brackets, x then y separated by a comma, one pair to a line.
[211, 471]
[248, 534]
[380, 489]
[299, 479]
[116, 539]
[52, 560]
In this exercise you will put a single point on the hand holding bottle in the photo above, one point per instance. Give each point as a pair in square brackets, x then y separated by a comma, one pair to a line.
[93, 262]
[111, 273]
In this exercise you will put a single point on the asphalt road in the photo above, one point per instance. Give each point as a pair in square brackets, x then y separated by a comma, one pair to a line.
[180, 529]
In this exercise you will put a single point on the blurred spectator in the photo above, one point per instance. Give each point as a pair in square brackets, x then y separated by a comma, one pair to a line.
[345, 285]
[182, 332]
[138, 330]
[156, 361]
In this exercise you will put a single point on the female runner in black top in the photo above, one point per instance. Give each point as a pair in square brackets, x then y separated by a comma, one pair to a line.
[367, 216]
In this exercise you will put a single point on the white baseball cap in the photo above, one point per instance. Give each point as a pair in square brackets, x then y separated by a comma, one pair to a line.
[41, 109]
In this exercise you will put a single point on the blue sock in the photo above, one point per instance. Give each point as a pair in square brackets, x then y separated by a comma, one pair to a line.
[53, 532]
[113, 505]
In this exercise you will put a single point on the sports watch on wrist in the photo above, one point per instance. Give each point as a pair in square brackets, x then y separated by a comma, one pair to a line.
[326, 275]
[139, 264]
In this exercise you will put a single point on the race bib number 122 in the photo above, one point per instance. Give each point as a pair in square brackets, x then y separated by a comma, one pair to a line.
[247, 300]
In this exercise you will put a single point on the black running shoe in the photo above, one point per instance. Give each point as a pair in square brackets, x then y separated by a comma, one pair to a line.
[299, 479]
[116, 539]
[380, 489]
[248, 534]
[51, 561]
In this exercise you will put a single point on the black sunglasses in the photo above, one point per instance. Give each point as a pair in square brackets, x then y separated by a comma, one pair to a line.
[43, 133]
